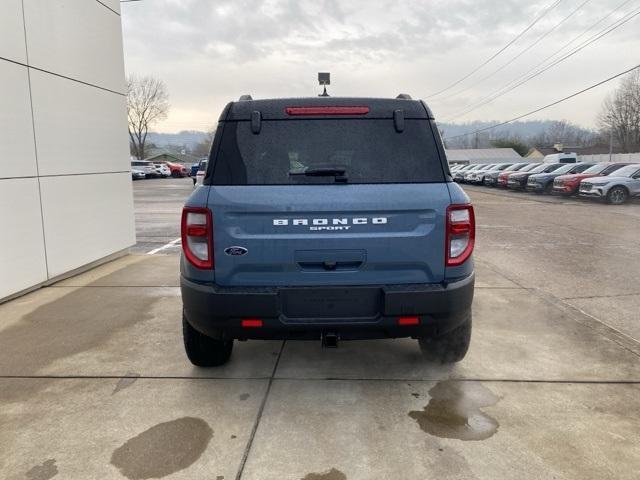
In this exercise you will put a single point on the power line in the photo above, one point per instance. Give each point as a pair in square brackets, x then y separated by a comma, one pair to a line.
[522, 52]
[546, 106]
[527, 76]
[517, 37]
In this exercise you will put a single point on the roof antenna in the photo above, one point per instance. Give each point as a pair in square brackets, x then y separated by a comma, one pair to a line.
[324, 80]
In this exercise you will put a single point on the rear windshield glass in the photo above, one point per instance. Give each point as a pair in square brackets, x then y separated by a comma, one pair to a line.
[325, 151]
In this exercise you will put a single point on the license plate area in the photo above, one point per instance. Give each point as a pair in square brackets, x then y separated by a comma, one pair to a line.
[328, 303]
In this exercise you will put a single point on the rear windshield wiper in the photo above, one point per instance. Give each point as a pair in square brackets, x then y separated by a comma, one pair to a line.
[337, 172]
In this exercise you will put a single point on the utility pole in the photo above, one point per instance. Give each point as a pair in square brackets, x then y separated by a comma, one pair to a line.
[476, 142]
[610, 143]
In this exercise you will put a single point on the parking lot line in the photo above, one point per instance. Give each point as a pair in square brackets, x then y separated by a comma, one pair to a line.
[164, 247]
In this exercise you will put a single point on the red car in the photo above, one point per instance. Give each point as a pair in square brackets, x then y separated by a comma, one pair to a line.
[568, 184]
[503, 178]
[177, 169]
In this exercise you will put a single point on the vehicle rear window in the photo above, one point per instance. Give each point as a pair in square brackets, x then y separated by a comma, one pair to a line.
[368, 150]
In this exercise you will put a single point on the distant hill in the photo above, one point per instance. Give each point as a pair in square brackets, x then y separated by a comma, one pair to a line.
[531, 132]
[186, 138]
[523, 130]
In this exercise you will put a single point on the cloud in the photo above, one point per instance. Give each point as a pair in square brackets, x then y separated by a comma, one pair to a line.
[210, 52]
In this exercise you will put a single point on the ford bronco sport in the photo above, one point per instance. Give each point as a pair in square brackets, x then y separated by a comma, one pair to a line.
[328, 219]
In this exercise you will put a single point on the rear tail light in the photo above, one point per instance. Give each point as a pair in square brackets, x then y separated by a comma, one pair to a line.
[197, 236]
[460, 235]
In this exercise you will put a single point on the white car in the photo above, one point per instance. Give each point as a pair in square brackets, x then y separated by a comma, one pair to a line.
[162, 170]
[137, 174]
[147, 167]
[200, 174]
[616, 188]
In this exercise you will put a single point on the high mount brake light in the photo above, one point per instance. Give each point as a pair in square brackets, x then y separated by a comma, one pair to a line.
[319, 111]
[460, 234]
[197, 236]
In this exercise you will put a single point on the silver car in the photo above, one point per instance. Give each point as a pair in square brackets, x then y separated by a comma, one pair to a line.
[616, 188]
[472, 177]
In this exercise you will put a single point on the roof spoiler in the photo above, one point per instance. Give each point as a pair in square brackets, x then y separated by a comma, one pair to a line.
[244, 98]
[404, 96]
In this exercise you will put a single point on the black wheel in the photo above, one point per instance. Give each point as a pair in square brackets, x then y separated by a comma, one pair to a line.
[617, 195]
[204, 351]
[448, 348]
[175, 174]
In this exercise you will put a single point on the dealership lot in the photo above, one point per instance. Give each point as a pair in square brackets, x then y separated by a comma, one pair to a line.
[94, 382]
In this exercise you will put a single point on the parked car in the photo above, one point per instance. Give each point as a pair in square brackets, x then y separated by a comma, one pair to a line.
[518, 181]
[615, 188]
[503, 178]
[472, 176]
[162, 170]
[344, 228]
[177, 170]
[543, 182]
[479, 178]
[491, 177]
[461, 174]
[196, 166]
[563, 157]
[137, 174]
[568, 184]
[147, 167]
[200, 174]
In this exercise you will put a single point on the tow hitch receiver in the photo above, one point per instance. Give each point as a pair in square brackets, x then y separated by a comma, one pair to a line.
[329, 340]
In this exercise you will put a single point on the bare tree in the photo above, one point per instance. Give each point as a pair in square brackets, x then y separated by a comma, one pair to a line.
[203, 147]
[147, 103]
[565, 133]
[620, 113]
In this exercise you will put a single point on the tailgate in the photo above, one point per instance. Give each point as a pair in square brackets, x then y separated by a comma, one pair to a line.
[303, 235]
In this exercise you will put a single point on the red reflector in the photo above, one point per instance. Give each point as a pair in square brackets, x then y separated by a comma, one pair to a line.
[251, 323]
[197, 230]
[327, 110]
[408, 321]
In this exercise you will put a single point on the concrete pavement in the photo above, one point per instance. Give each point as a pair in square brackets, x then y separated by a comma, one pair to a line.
[94, 384]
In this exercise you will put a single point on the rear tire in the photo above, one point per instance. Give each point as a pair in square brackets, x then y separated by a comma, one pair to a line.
[448, 348]
[204, 351]
[617, 196]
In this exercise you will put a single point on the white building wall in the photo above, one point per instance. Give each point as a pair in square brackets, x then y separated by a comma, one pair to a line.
[616, 157]
[65, 182]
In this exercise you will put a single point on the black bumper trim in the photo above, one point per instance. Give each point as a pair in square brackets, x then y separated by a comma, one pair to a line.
[217, 311]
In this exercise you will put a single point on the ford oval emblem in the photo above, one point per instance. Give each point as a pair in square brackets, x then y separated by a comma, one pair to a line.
[235, 251]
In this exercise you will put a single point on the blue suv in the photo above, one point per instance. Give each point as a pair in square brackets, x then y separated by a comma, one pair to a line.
[328, 219]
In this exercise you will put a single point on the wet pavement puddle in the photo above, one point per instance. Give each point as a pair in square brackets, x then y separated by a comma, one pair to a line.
[44, 471]
[163, 449]
[332, 474]
[126, 381]
[455, 411]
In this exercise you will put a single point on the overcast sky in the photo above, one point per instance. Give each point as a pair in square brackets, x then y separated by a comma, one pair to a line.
[209, 52]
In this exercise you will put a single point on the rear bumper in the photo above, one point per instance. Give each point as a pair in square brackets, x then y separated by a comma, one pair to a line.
[373, 310]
